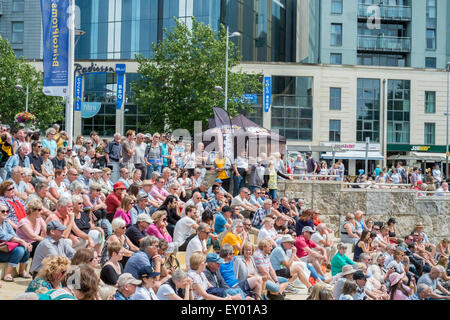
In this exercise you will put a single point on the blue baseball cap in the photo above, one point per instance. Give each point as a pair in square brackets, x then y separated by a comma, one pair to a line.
[218, 181]
[55, 225]
[214, 257]
[147, 272]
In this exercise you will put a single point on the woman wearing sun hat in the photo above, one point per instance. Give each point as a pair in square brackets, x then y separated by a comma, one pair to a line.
[398, 290]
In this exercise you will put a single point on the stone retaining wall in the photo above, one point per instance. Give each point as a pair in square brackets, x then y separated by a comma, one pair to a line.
[334, 202]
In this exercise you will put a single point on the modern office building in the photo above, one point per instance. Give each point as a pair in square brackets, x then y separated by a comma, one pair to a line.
[341, 71]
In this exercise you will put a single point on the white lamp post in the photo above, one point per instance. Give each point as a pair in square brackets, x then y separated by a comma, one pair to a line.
[19, 87]
[234, 34]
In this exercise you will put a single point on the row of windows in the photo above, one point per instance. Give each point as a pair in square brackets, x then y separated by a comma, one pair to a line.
[397, 129]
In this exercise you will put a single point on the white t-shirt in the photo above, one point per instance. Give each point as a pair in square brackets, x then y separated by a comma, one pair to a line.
[198, 279]
[195, 245]
[266, 234]
[143, 293]
[60, 190]
[183, 229]
[164, 291]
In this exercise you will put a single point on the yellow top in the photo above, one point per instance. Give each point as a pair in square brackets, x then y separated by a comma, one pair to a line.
[233, 240]
[220, 163]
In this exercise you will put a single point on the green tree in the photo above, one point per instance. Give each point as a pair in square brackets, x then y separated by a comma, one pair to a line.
[178, 81]
[13, 71]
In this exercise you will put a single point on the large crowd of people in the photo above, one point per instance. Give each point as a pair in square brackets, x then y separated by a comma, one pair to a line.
[158, 230]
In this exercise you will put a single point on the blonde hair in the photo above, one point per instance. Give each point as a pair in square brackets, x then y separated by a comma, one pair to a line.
[196, 260]
[126, 200]
[33, 204]
[263, 243]
[106, 292]
[158, 215]
[53, 265]
[314, 295]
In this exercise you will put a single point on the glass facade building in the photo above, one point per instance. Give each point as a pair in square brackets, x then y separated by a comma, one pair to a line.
[368, 110]
[399, 108]
[120, 29]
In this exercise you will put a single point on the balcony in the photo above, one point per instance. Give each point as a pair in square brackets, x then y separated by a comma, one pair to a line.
[384, 44]
[387, 13]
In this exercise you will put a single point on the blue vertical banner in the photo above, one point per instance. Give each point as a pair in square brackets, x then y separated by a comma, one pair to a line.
[55, 17]
[267, 93]
[78, 92]
[120, 71]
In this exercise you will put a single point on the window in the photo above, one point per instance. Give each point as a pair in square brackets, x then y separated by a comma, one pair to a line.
[335, 98]
[430, 62]
[336, 34]
[292, 107]
[336, 58]
[17, 32]
[368, 110]
[431, 39]
[399, 111]
[18, 52]
[336, 6]
[335, 131]
[430, 129]
[431, 9]
[430, 102]
[18, 6]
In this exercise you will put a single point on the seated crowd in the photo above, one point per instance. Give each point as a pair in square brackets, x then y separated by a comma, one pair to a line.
[160, 231]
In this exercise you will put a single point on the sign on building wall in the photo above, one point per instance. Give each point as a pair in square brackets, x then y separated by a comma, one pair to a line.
[90, 109]
[55, 16]
[267, 93]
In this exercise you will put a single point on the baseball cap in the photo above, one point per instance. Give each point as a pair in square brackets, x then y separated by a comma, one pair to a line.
[142, 196]
[96, 171]
[218, 181]
[55, 225]
[287, 238]
[144, 218]
[213, 257]
[127, 278]
[119, 185]
[308, 229]
[359, 275]
[147, 272]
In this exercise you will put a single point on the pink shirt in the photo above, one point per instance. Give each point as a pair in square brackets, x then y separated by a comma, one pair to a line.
[399, 295]
[26, 231]
[124, 215]
[154, 231]
[158, 192]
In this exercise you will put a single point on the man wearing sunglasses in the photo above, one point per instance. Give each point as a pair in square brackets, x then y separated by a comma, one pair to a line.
[36, 161]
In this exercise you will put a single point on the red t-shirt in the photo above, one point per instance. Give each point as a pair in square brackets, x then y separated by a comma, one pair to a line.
[301, 244]
[112, 203]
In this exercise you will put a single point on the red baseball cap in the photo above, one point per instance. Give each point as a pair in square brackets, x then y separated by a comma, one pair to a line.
[119, 185]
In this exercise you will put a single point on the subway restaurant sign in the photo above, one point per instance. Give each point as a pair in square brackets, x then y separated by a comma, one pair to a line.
[415, 148]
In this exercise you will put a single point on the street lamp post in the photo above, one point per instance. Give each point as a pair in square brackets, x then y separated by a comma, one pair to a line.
[446, 143]
[19, 87]
[234, 34]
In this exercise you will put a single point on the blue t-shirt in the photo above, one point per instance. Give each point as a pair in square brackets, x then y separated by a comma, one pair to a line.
[226, 270]
[377, 171]
[219, 225]
[277, 257]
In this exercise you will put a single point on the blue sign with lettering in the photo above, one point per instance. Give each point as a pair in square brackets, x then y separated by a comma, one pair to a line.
[90, 109]
[121, 68]
[267, 93]
[250, 98]
[78, 92]
[55, 17]
[119, 98]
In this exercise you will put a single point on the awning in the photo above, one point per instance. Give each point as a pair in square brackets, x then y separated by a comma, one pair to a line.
[428, 156]
[353, 155]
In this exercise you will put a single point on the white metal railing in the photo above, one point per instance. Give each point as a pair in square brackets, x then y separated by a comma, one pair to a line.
[384, 43]
[386, 12]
